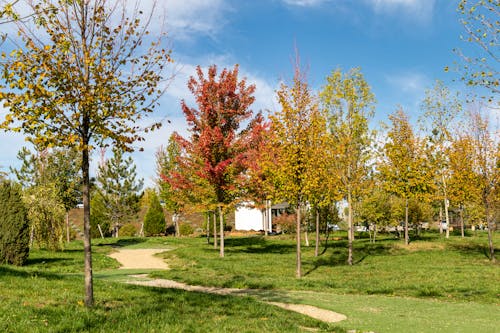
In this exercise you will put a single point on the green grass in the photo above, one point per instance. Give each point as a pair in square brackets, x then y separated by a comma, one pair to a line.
[448, 270]
[46, 295]
[434, 285]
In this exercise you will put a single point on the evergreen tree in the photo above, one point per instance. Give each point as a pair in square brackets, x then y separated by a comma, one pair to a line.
[98, 217]
[118, 185]
[14, 227]
[154, 221]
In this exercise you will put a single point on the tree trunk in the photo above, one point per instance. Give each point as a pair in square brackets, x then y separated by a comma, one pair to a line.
[299, 261]
[406, 222]
[440, 219]
[446, 204]
[462, 227]
[215, 229]
[221, 220]
[208, 227]
[266, 220]
[316, 247]
[350, 230]
[306, 234]
[491, 225]
[87, 247]
[67, 227]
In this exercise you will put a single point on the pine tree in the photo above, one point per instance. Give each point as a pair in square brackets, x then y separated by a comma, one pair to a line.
[118, 185]
[154, 221]
[14, 227]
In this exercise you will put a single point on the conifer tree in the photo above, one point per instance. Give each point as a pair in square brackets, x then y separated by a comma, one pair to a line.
[154, 221]
[118, 185]
[14, 226]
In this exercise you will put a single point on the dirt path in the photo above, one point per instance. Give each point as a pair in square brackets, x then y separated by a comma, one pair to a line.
[139, 258]
[144, 258]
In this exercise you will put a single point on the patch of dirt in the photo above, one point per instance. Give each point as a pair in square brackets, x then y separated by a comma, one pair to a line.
[144, 258]
[139, 258]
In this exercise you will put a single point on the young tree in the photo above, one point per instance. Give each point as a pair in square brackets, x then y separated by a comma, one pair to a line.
[348, 99]
[482, 27]
[294, 163]
[440, 108]
[90, 80]
[100, 222]
[118, 186]
[486, 162]
[216, 150]
[154, 221]
[14, 225]
[404, 167]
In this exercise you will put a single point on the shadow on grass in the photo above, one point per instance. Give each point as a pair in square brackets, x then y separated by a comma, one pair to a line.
[122, 242]
[468, 248]
[12, 271]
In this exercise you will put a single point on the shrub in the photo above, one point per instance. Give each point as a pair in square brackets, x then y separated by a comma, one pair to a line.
[285, 223]
[186, 229]
[98, 217]
[14, 225]
[128, 230]
[154, 221]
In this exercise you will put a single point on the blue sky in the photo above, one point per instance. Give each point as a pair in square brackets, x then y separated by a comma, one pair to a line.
[402, 47]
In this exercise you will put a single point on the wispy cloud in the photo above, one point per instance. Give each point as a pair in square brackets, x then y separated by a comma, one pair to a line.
[421, 10]
[409, 82]
[304, 3]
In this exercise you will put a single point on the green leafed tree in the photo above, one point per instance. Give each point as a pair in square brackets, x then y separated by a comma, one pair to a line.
[119, 188]
[154, 221]
[100, 222]
[14, 225]
[86, 74]
[349, 102]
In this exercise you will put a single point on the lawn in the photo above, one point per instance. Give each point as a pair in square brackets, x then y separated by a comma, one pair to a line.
[434, 285]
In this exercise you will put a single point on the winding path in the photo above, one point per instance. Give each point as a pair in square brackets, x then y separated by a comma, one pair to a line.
[146, 259]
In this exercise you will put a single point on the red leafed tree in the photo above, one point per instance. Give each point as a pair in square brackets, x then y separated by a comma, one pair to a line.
[223, 134]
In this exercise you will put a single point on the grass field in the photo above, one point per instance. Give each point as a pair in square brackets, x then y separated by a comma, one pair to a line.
[434, 285]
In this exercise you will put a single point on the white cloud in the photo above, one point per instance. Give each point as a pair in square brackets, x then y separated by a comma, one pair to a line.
[304, 3]
[409, 82]
[421, 10]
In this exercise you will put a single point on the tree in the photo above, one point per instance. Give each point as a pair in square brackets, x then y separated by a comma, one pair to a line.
[486, 162]
[58, 167]
[167, 163]
[404, 167]
[100, 222]
[481, 24]
[348, 99]
[14, 226]
[118, 186]
[89, 81]
[154, 221]
[440, 108]
[216, 150]
[46, 213]
[375, 209]
[294, 162]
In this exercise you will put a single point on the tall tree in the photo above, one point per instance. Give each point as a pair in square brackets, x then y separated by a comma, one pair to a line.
[294, 161]
[486, 162]
[217, 149]
[89, 81]
[348, 99]
[482, 28]
[119, 187]
[440, 107]
[404, 167]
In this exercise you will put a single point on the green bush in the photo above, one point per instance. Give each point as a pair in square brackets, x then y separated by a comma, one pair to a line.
[14, 225]
[128, 230]
[185, 229]
[154, 221]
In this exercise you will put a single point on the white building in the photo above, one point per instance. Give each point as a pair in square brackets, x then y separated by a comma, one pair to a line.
[247, 217]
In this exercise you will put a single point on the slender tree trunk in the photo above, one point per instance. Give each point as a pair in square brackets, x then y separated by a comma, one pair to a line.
[490, 224]
[299, 261]
[87, 247]
[446, 205]
[208, 227]
[266, 219]
[67, 227]
[350, 231]
[215, 229]
[440, 219]
[316, 247]
[462, 226]
[306, 231]
[221, 221]
[374, 232]
[406, 222]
